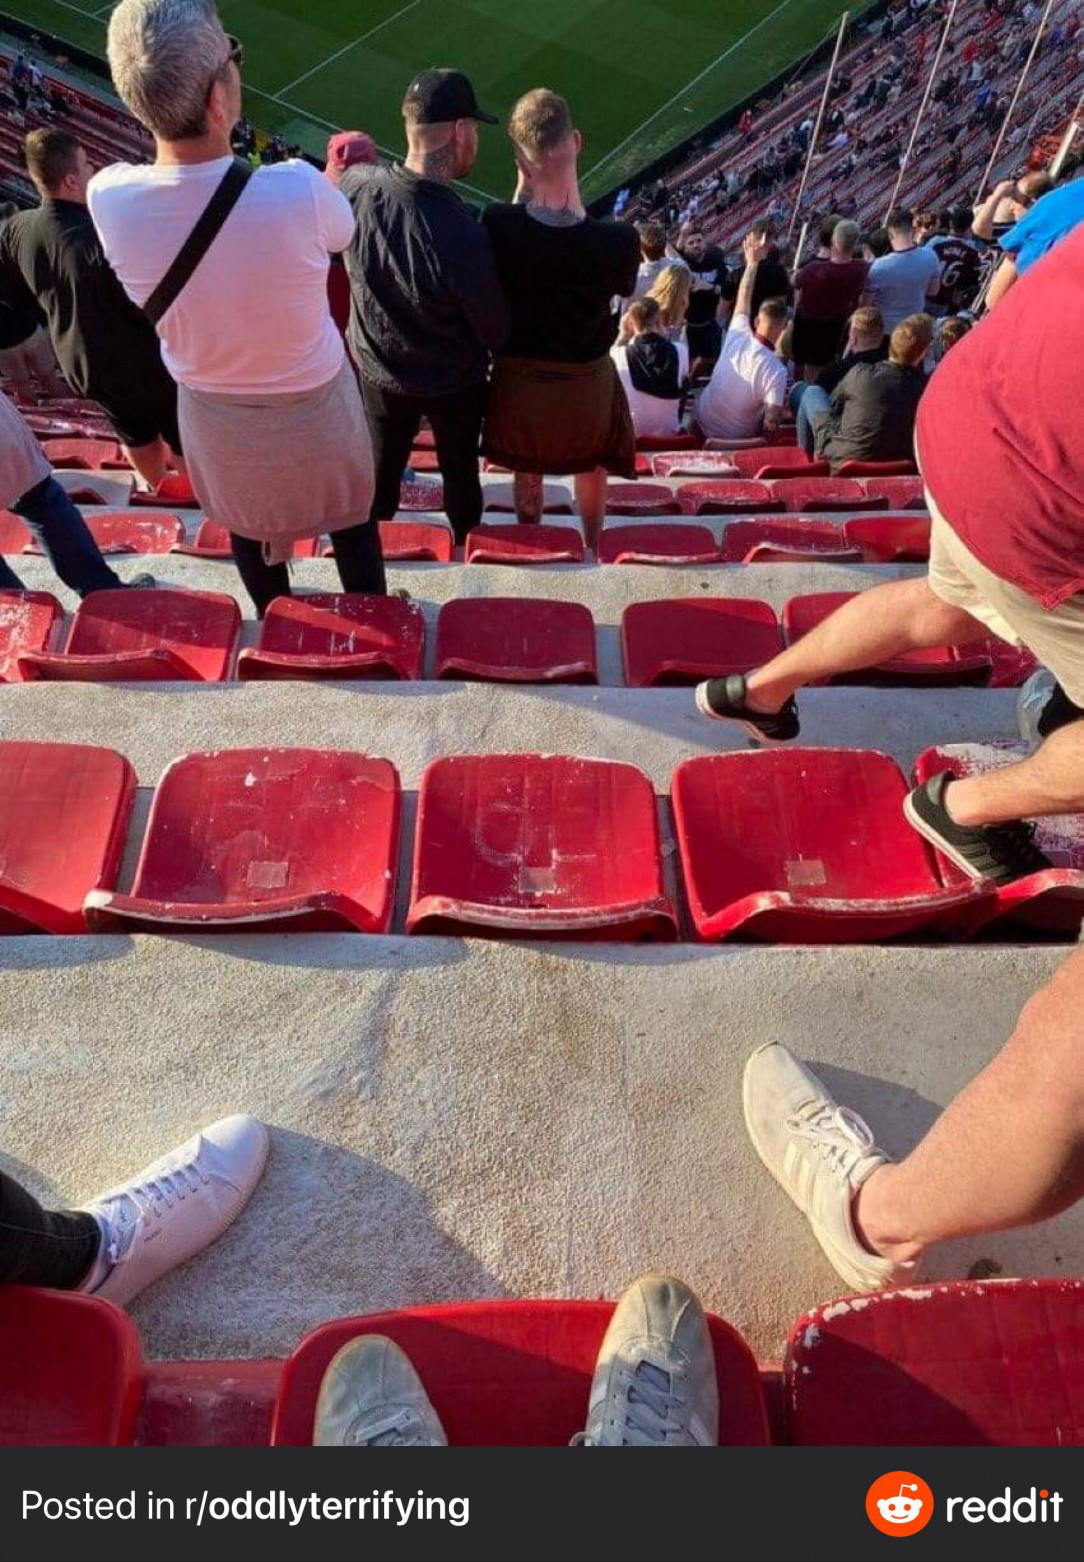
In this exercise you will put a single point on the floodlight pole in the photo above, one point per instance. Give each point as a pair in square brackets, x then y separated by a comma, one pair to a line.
[1072, 130]
[817, 127]
[922, 108]
[995, 154]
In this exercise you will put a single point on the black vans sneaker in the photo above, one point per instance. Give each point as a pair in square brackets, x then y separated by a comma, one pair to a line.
[1002, 853]
[723, 699]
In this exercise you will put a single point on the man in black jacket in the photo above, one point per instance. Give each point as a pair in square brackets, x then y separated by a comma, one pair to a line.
[106, 347]
[427, 305]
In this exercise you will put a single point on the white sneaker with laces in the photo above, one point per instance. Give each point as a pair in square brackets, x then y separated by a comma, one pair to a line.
[820, 1153]
[655, 1383]
[175, 1207]
[371, 1397]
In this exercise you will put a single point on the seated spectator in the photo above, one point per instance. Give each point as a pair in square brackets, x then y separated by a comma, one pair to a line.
[654, 1386]
[556, 404]
[949, 331]
[870, 415]
[866, 343]
[652, 370]
[672, 291]
[827, 295]
[709, 281]
[900, 282]
[1045, 225]
[130, 1236]
[105, 346]
[274, 430]
[748, 386]
[960, 262]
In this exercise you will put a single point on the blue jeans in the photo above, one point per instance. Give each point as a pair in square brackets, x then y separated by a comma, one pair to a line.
[67, 543]
[810, 406]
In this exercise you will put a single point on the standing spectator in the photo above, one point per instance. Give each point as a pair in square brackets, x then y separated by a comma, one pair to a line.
[652, 370]
[428, 306]
[773, 279]
[828, 292]
[1007, 203]
[27, 360]
[654, 257]
[272, 421]
[672, 291]
[556, 403]
[901, 281]
[353, 150]
[105, 346]
[708, 266]
[870, 415]
[961, 267]
[748, 386]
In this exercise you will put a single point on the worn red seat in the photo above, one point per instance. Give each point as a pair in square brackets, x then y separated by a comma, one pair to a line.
[71, 1370]
[727, 496]
[754, 442]
[143, 636]
[64, 811]
[940, 664]
[1051, 901]
[424, 439]
[424, 460]
[787, 541]
[85, 455]
[212, 541]
[529, 544]
[684, 639]
[15, 535]
[640, 499]
[173, 492]
[507, 1373]
[327, 634]
[876, 469]
[538, 846]
[890, 539]
[684, 441]
[260, 839]
[516, 640]
[978, 1363]
[780, 458]
[898, 493]
[421, 496]
[29, 621]
[809, 846]
[693, 463]
[122, 531]
[811, 495]
[500, 499]
[668, 542]
[405, 541]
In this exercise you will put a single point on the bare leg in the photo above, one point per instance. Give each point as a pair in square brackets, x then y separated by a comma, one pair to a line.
[960, 1180]
[874, 626]
[150, 461]
[527, 497]
[591, 502]
[1051, 781]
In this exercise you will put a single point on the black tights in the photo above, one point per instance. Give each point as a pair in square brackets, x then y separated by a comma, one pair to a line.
[357, 553]
[40, 1246]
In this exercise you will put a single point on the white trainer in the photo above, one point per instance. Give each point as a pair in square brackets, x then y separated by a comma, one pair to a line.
[175, 1207]
[371, 1397]
[654, 1384]
[820, 1153]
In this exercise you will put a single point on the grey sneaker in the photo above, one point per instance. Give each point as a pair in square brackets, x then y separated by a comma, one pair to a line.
[654, 1384]
[142, 582]
[820, 1153]
[371, 1397]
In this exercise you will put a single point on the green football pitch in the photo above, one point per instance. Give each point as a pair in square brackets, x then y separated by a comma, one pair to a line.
[641, 75]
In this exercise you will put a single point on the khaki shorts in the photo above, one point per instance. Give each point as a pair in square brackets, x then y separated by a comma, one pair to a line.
[1055, 636]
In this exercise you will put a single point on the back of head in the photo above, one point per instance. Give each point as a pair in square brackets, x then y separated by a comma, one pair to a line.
[1036, 185]
[763, 230]
[671, 290]
[900, 223]
[541, 130]
[772, 318]
[51, 157]
[643, 314]
[911, 339]
[960, 221]
[164, 56]
[826, 229]
[869, 327]
[951, 331]
[845, 238]
[652, 240]
[877, 242]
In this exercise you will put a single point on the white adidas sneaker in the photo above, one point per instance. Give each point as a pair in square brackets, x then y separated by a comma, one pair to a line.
[820, 1153]
[371, 1397]
[175, 1207]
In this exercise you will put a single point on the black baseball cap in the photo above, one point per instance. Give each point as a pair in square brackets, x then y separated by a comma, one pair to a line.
[436, 97]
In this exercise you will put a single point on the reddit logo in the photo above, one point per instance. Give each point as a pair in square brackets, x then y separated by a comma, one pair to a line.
[899, 1503]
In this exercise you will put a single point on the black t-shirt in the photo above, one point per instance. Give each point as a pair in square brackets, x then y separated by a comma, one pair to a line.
[709, 284]
[771, 281]
[830, 376]
[560, 282]
[961, 268]
[872, 417]
[20, 316]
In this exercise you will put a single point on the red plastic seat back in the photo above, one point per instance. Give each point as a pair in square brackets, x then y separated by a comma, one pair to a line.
[71, 1370]
[693, 463]
[876, 469]
[751, 463]
[938, 664]
[898, 493]
[29, 621]
[516, 640]
[669, 542]
[199, 628]
[985, 1362]
[762, 541]
[508, 1372]
[725, 496]
[212, 541]
[175, 490]
[890, 539]
[15, 535]
[813, 494]
[371, 636]
[408, 540]
[120, 531]
[83, 455]
[684, 639]
[531, 544]
[685, 441]
[640, 499]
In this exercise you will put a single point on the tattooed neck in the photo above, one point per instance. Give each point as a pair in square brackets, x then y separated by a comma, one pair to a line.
[554, 216]
[438, 165]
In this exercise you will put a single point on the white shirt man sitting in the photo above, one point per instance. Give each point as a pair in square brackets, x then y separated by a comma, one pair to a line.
[652, 370]
[748, 386]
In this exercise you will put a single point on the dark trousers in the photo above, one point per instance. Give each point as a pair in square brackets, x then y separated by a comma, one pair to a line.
[42, 1247]
[357, 553]
[67, 543]
[456, 422]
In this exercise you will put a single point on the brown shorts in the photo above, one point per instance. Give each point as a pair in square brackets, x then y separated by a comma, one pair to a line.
[558, 418]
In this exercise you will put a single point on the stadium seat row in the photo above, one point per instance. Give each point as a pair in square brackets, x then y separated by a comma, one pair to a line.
[788, 846]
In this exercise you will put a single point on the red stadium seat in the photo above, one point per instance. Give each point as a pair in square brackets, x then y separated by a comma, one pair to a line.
[85, 455]
[809, 846]
[684, 639]
[424, 439]
[507, 1373]
[121, 531]
[516, 640]
[941, 664]
[785, 542]
[15, 535]
[530, 544]
[890, 539]
[174, 492]
[693, 463]
[421, 496]
[533, 846]
[640, 499]
[404, 541]
[500, 499]
[811, 495]
[29, 621]
[143, 636]
[781, 458]
[685, 441]
[898, 493]
[727, 496]
[755, 442]
[71, 1371]
[64, 811]
[326, 634]
[876, 469]
[424, 460]
[212, 541]
[669, 542]
[265, 839]
[979, 1363]
[1051, 901]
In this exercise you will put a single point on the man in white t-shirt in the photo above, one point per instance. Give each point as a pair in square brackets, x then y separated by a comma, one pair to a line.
[652, 370]
[748, 386]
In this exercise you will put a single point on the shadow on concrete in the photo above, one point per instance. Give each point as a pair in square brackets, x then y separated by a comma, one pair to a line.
[899, 1116]
[50, 952]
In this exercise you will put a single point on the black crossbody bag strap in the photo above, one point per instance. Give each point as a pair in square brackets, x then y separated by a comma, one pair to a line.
[199, 240]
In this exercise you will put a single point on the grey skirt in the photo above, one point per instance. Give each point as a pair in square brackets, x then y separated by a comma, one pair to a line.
[278, 468]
